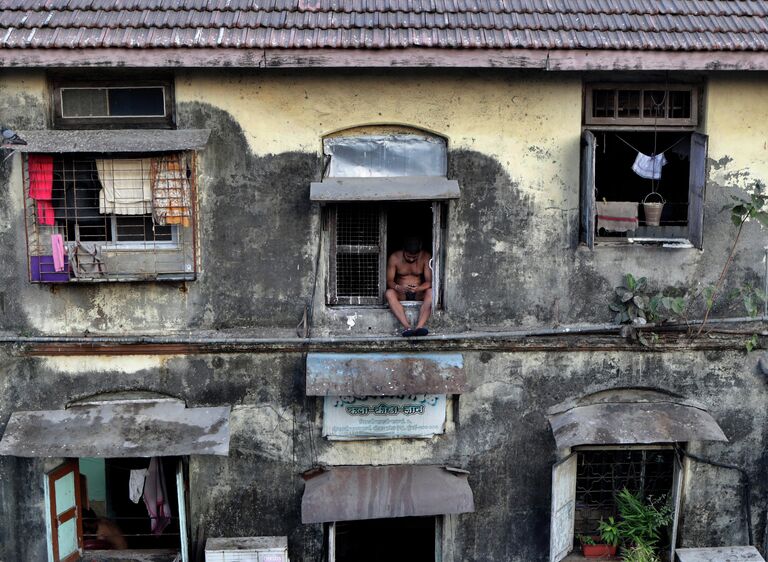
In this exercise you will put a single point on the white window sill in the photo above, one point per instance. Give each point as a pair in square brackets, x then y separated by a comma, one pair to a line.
[674, 243]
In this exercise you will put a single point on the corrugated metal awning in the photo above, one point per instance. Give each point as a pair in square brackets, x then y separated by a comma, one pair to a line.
[384, 374]
[719, 554]
[631, 416]
[120, 140]
[140, 428]
[350, 493]
[405, 188]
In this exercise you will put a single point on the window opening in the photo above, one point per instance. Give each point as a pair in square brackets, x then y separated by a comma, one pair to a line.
[383, 540]
[649, 105]
[602, 474]
[616, 181]
[111, 519]
[97, 217]
[364, 236]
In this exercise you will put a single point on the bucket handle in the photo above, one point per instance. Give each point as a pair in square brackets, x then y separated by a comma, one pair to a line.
[645, 199]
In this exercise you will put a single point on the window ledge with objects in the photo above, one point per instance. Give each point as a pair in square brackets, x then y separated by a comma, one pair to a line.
[110, 205]
[643, 166]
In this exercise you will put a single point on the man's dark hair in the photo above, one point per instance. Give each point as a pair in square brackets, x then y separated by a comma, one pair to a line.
[412, 245]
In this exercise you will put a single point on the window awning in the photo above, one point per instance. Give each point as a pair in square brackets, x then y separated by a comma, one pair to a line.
[121, 140]
[350, 493]
[136, 428]
[384, 374]
[405, 188]
[631, 416]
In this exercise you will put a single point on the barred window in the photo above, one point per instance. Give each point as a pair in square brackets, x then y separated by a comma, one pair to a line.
[102, 217]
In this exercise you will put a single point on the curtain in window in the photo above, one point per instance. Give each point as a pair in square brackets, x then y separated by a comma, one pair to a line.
[171, 191]
[125, 186]
[41, 186]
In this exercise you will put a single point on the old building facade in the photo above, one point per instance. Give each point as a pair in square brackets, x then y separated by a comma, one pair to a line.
[222, 317]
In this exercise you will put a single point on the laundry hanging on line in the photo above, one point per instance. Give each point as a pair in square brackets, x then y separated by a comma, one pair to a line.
[649, 167]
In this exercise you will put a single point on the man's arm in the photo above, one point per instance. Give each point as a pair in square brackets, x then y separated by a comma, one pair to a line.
[427, 273]
[391, 273]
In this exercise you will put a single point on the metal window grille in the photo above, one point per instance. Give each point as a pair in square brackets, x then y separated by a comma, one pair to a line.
[96, 217]
[358, 254]
[601, 475]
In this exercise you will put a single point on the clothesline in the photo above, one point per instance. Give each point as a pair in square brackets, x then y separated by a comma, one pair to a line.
[670, 147]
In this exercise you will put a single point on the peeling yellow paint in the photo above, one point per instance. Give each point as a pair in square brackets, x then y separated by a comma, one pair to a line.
[737, 125]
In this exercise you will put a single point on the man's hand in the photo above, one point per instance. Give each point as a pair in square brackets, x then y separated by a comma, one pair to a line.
[400, 289]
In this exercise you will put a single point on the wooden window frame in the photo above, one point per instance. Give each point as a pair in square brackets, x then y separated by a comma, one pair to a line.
[439, 221]
[592, 121]
[167, 121]
[443, 551]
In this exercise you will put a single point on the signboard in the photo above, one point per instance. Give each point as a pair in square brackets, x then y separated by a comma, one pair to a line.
[383, 417]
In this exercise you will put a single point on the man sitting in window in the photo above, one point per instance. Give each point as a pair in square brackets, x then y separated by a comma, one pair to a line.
[409, 278]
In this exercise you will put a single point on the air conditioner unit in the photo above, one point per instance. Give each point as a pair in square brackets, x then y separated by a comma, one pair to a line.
[247, 549]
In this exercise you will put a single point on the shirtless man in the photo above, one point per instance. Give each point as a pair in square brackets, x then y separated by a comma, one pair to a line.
[409, 277]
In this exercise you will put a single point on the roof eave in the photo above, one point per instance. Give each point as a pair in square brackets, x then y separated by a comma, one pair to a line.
[552, 60]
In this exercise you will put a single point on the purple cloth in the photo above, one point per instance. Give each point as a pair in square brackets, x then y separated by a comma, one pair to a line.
[57, 244]
[156, 497]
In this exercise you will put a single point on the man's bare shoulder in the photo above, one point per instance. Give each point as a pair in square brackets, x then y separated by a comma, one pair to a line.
[396, 257]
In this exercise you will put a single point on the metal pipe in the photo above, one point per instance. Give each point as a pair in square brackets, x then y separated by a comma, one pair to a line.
[472, 336]
[765, 284]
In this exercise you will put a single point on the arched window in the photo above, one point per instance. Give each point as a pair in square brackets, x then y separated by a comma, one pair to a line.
[382, 185]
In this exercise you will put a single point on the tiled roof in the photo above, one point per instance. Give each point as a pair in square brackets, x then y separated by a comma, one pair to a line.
[671, 25]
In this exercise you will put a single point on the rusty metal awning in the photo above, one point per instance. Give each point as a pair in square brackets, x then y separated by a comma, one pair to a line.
[119, 140]
[139, 428]
[631, 416]
[384, 374]
[350, 493]
[405, 188]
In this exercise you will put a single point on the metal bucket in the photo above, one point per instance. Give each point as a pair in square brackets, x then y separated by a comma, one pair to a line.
[653, 210]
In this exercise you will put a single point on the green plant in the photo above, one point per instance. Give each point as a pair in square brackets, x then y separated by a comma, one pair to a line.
[610, 532]
[640, 553]
[642, 520]
[631, 301]
[586, 539]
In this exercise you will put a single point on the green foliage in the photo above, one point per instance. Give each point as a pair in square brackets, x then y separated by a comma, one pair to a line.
[755, 207]
[641, 520]
[640, 553]
[586, 539]
[610, 532]
[752, 343]
[634, 303]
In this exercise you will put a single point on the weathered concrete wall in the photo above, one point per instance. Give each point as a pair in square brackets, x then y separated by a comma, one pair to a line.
[512, 255]
[500, 435]
[512, 259]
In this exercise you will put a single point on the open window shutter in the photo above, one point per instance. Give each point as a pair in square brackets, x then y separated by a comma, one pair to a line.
[64, 521]
[182, 507]
[563, 508]
[677, 492]
[437, 248]
[588, 188]
[697, 179]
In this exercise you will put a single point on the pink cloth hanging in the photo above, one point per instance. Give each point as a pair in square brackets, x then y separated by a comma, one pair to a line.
[41, 186]
[156, 497]
[57, 245]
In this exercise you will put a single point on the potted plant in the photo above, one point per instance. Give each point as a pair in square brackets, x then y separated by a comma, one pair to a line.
[604, 545]
[641, 524]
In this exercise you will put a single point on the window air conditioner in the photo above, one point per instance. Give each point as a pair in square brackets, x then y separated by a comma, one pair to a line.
[247, 549]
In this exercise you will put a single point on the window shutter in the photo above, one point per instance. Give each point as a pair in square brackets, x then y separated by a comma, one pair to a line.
[677, 492]
[182, 506]
[696, 185]
[64, 521]
[588, 189]
[563, 508]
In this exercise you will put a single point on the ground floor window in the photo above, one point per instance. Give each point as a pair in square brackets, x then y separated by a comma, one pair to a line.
[98, 505]
[601, 475]
[585, 486]
[384, 540]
